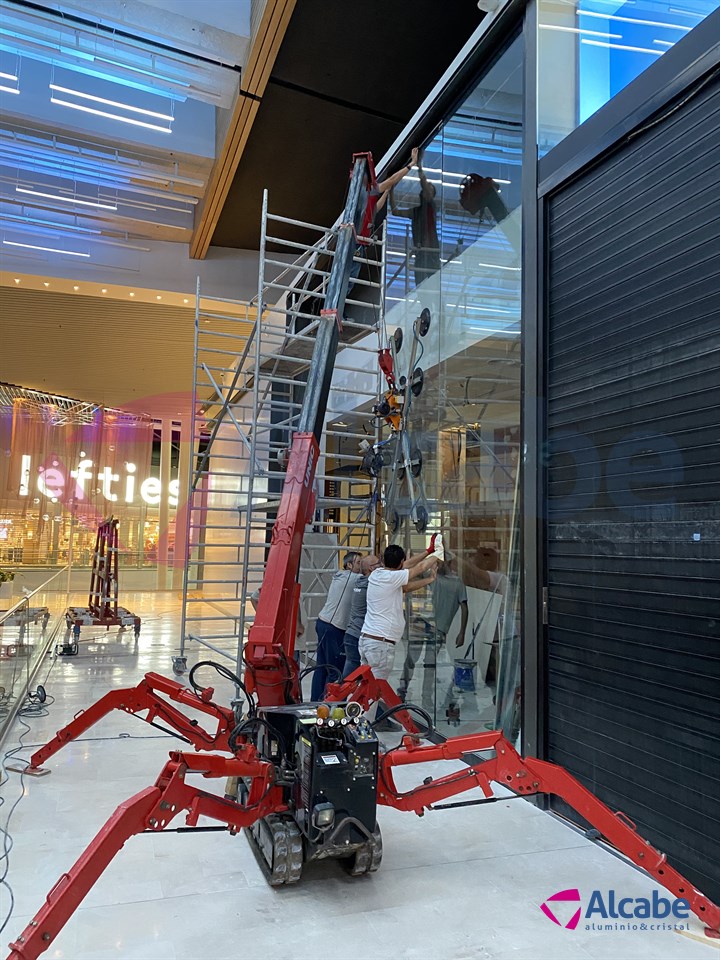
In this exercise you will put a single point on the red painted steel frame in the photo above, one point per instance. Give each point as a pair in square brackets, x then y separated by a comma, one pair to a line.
[146, 696]
[153, 809]
[526, 777]
[103, 599]
[269, 653]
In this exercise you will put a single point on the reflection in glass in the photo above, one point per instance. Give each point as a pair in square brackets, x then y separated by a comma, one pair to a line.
[589, 50]
[454, 249]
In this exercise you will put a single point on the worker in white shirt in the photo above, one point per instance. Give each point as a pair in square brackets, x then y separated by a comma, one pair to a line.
[384, 624]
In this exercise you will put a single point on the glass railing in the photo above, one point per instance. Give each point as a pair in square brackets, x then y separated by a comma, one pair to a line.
[28, 627]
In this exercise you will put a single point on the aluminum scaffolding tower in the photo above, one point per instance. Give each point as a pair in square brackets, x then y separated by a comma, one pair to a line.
[251, 364]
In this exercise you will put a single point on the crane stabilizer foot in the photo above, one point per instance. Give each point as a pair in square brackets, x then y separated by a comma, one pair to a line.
[147, 695]
[152, 809]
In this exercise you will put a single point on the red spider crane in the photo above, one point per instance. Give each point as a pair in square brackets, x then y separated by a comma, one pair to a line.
[310, 776]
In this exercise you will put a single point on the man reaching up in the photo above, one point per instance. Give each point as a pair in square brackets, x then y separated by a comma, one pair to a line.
[384, 623]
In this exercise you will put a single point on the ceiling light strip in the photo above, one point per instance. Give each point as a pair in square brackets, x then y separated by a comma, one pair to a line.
[110, 116]
[33, 246]
[8, 76]
[16, 151]
[622, 46]
[643, 23]
[588, 33]
[54, 196]
[31, 223]
[112, 103]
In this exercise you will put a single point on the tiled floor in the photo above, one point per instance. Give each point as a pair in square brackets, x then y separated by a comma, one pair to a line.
[454, 885]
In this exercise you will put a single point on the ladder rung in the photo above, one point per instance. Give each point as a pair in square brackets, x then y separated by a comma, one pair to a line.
[329, 231]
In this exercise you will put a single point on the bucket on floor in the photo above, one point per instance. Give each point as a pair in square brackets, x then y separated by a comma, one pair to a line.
[464, 674]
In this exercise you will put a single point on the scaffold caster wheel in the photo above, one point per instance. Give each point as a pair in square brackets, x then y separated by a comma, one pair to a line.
[423, 322]
[421, 519]
[367, 858]
[179, 666]
[45, 621]
[398, 339]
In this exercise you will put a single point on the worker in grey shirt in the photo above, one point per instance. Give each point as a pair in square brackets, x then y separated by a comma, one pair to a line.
[358, 607]
[332, 622]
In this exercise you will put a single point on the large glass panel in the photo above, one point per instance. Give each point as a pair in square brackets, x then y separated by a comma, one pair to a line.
[454, 250]
[588, 50]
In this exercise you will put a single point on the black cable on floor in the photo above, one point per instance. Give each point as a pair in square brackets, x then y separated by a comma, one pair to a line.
[7, 840]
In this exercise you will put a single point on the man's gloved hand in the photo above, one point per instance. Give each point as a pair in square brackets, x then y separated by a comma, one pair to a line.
[431, 548]
[438, 547]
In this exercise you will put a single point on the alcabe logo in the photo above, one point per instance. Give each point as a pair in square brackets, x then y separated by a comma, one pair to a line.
[572, 896]
[609, 906]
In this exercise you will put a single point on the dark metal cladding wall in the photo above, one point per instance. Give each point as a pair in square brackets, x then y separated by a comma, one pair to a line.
[634, 483]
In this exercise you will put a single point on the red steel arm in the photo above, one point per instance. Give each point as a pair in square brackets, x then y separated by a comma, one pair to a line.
[526, 777]
[151, 809]
[272, 671]
[146, 696]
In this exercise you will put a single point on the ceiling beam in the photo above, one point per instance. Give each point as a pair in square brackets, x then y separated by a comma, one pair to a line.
[263, 51]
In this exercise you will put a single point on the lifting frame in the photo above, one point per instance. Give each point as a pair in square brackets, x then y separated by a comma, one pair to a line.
[102, 609]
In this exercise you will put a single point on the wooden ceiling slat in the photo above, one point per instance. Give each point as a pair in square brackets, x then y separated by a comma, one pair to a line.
[264, 50]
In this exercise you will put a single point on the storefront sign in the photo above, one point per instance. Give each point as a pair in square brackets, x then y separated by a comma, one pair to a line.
[53, 482]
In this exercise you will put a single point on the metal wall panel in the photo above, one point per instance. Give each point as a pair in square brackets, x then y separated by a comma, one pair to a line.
[633, 477]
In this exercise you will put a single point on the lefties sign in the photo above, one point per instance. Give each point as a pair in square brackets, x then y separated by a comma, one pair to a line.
[565, 908]
[59, 484]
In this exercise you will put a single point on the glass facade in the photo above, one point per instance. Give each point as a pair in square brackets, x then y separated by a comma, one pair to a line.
[589, 50]
[454, 236]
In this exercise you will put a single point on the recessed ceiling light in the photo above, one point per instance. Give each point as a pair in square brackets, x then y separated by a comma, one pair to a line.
[17, 279]
[132, 294]
[45, 283]
[158, 297]
[104, 290]
[186, 300]
[76, 288]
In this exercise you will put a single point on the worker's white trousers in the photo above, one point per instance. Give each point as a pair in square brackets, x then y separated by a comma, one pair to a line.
[378, 654]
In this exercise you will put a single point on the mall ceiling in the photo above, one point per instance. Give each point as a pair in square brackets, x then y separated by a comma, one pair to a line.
[88, 173]
[347, 78]
[164, 120]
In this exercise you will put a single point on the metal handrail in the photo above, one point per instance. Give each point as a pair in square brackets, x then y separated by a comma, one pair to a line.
[7, 723]
[8, 613]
